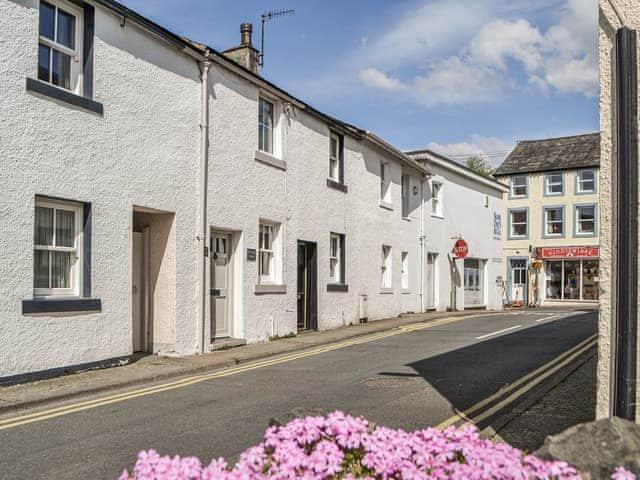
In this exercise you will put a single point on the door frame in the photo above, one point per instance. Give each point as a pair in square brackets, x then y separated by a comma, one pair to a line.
[525, 293]
[145, 297]
[436, 281]
[311, 298]
[231, 290]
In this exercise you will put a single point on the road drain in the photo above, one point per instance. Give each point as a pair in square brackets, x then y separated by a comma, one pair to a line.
[389, 381]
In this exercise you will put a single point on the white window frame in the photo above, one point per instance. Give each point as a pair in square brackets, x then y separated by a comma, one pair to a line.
[547, 222]
[580, 181]
[514, 185]
[385, 183]
[273, 249]
[386, 277]
[549, 183]
[335, 258]
[512, 235]
[76, 269]
[76, 54]
[275, 129]
[334, 158]
[579, 231]
[437, 209]
[404, 265]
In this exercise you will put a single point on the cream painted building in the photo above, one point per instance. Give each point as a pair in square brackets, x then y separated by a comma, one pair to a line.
[618, 346]
[551, 248]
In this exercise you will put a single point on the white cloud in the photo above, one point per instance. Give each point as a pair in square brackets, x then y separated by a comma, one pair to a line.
[372, 77]
[563, 58]
[501, 39]
[492, 149]
[454, 81]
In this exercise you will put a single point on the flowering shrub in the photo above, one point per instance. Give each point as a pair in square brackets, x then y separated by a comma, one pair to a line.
[344, 447]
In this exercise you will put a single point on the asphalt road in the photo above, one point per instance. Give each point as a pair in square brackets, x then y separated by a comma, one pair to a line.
[411, 381]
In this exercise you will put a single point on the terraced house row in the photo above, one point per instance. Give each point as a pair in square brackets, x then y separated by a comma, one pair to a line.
[161, 196]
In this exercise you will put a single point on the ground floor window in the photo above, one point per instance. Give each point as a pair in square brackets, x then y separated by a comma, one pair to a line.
[572, 279]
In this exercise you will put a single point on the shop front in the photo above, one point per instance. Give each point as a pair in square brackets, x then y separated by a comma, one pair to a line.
[570, 273]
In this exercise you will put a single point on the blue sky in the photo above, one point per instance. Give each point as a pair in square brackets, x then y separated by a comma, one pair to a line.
[458, 76]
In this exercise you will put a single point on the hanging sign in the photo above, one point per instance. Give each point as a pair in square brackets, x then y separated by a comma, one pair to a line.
[460, 249]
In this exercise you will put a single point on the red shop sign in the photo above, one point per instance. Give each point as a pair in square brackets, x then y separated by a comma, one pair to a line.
[568, 252]
[460, 249]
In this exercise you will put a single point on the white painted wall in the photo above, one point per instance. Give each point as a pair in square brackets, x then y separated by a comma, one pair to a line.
[464, 214]
[144, 151]
[242, 191]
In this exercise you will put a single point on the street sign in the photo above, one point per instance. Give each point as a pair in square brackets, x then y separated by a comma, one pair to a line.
[460, 249]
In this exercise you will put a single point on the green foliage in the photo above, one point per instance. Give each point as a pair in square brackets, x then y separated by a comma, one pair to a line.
[479, 165]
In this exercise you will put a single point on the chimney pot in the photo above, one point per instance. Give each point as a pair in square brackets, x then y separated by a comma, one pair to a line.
[246, 30]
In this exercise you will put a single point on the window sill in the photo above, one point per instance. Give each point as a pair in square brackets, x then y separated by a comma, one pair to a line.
[386, 205]
[270, 160]
[337, 287]
[331, 183]
[406, 219]
[43, 89]
[386, 291]
[405, 291]
[436, 215]
[270, 289]
[60, 305]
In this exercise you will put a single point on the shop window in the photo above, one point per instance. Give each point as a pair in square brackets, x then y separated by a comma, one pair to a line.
[572, 279]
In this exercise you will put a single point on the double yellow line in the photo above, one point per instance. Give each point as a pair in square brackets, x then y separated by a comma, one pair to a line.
[507, 395]
[192, 380]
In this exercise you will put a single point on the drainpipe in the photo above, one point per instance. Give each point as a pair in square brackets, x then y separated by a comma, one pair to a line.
[204, 175]
[422, 247]
[625, 261]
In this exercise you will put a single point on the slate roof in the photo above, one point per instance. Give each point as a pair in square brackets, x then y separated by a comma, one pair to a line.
[529, 156]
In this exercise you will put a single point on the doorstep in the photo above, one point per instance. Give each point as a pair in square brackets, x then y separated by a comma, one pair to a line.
[227, 343]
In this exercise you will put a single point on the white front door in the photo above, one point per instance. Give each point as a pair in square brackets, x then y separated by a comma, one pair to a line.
[431, 280]
[518, 280]
[220, 285]
[473, 282]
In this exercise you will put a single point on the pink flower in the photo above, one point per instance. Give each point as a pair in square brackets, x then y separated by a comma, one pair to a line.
[622, 474]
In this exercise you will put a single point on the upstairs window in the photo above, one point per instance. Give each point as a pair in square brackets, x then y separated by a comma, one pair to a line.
[554, 184]
[405, 195]
[519, 186]
[60, 45]
[553, 221]
[518, 223]
[266, 126]
[585, 220]
[436, 199]
[586, 181]
[386, 267]
[57, 248]
[385, 183]
[336, 168]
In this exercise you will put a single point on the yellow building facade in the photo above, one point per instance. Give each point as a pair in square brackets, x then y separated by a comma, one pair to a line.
[551, 242]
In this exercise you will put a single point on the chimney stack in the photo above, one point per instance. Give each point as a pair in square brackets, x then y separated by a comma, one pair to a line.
[245, 54]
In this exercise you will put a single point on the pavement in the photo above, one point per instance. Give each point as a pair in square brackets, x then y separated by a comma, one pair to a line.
[149, 369]
[410, 376]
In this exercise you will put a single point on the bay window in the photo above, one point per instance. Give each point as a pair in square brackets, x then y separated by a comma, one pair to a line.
[57, 248]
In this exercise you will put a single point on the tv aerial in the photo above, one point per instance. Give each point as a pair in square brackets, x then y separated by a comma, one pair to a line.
[267, 16]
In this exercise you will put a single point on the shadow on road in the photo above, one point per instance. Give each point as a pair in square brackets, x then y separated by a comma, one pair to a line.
[469, 375]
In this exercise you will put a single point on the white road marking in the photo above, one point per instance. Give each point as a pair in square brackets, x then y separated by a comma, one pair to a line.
[548, 318]
[498, 332]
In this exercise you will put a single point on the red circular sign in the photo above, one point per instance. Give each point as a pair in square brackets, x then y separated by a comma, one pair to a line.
[461, 249]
